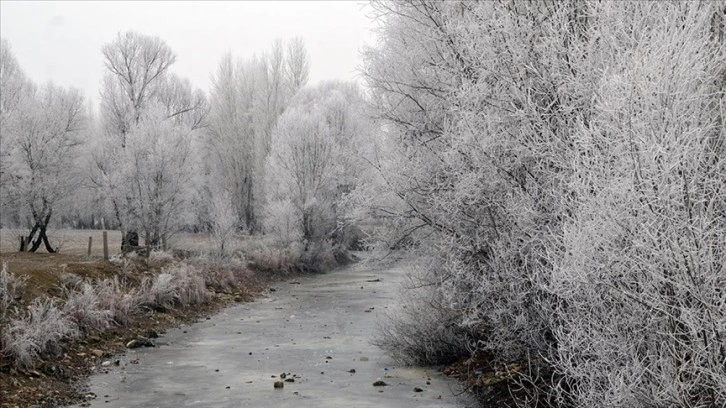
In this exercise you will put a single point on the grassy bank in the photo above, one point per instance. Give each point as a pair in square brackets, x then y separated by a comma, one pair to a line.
[63, 315]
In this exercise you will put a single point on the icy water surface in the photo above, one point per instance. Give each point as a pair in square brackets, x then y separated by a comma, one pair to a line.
[318, 329]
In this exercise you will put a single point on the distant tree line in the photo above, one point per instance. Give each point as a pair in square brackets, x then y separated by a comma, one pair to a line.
[160, 156]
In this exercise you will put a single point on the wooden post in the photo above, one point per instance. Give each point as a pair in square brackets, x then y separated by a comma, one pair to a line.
[163, 242]
[148, 251]
[27, 243]
[105, 244]
[22, 243]
[90, 240]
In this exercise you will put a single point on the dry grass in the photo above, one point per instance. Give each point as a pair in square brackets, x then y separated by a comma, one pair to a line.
[83, 308]
[39, 333]
[11, 288]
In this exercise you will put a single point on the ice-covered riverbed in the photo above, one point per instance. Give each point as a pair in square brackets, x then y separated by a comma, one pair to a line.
[317, 330]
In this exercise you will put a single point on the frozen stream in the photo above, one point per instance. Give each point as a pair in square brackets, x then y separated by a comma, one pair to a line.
[318, 330]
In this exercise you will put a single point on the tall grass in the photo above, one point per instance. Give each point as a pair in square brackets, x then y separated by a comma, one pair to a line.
[121, 300]
[84, 309]
[41, 330]
[39, 333]
[11, 287]
[179, 285]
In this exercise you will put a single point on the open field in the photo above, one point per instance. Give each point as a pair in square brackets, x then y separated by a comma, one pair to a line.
[69, 242]
[74, 242]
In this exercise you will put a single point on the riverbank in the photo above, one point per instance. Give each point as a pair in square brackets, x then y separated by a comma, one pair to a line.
[58, 379]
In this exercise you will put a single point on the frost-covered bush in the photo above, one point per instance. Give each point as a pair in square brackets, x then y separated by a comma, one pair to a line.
[161, 257]
[121, 301]
[159, 292]
[282, 223]
[421, 330]
[178, 285]
[11, 287]
[223, 219]
[225, 276]
[270, 255]
[641, 307]
[83, 307]
[38, 333]
[192, 289]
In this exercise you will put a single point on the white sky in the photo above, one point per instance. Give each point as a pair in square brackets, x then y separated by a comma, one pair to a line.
[61, 41]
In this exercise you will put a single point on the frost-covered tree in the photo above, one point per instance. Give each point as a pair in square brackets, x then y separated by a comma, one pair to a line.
[160, 113]
[559, 168]
[14, 87]
[314, 163]
[159, 166]
[246, 101]
[297, 65]
[43, 136]
[136, 65]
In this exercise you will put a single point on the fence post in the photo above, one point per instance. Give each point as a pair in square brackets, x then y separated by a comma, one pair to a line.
[105, 245]
[90, 240]
[27, 243]
[22, 243]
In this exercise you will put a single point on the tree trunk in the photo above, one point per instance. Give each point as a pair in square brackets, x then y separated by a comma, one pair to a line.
[249, 205]
[42, 238]
[307, 229]
[41, 224]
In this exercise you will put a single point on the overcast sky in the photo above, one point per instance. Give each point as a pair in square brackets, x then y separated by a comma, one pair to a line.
[61, 41]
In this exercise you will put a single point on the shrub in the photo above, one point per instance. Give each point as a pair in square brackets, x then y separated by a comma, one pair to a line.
[191, 287]
[158, 292]
[161, 257]
[273, 256]
[225, 275]
[573, 192]
[319, 257]
[119, 300]
[11, 287]
[178, 285]
[38, 333]
[84, 309]
[421, 331]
